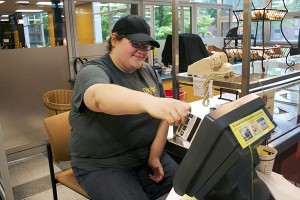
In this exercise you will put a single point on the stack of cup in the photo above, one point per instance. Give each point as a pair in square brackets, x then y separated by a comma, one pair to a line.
[267, 156]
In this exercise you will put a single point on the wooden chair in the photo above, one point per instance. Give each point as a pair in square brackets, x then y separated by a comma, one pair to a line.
[58, 130]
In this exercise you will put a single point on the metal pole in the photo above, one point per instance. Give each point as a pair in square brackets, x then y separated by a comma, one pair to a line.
[246, 47]
[175, 47]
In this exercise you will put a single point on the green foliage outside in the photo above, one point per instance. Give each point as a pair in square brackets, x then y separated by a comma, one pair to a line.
[207, 17]
[203, 24]
[163, 22]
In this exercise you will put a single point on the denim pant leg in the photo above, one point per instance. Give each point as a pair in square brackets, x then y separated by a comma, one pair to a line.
[153, 189]
[110, 184]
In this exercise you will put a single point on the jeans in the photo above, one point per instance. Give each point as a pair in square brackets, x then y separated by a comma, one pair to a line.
[112, 184]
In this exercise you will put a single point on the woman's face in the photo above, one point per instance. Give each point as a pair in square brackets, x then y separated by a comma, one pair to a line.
[125, 56]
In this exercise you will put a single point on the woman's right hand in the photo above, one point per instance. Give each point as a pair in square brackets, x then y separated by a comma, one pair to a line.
[173, 111]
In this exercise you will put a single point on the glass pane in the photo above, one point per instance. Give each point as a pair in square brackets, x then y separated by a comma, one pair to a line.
[42, 27]
[225, 28]
[204, 1]
[238, 5]
[207, 22]
[256, 29]
[95, 20]
[258, 3]
[163, 21]
[34, 29]
[235, 4]
[185, 27]
[162, 16]
[292, 6]
[290, 29]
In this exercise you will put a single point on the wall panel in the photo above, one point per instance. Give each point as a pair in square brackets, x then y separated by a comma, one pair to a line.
[25, 74]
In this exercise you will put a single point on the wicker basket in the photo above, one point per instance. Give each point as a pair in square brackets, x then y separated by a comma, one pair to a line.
[57, 101]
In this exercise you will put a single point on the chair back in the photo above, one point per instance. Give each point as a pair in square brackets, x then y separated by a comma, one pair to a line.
[58, 130]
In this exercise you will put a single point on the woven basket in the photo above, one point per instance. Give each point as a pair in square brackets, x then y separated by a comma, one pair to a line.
[57, 101]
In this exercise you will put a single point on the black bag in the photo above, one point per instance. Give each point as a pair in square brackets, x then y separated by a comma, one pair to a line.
[78, 62]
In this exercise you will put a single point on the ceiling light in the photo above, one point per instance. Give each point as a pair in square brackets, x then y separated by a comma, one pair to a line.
[22, 2]
[4, 20]
[4, 15]
[25, 11]
[2, 2]
[48, 3]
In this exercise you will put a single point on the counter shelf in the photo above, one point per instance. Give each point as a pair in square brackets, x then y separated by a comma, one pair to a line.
[275, 75]
[285, 85]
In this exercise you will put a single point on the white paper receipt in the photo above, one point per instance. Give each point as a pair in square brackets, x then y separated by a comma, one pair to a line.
[199, 86]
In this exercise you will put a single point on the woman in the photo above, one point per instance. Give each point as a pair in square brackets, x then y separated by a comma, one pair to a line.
[120, 122]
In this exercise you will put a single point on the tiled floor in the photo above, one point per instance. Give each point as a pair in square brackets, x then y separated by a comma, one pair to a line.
[30, 179]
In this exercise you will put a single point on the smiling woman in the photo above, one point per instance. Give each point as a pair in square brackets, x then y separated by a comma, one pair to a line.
[31, 24]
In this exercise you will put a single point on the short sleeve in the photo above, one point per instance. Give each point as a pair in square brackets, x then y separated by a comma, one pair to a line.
[88, 76]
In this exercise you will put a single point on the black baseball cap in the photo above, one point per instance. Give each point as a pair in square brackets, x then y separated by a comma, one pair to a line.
[135, 28]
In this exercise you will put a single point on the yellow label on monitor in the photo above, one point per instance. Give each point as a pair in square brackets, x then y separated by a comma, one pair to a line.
[252, 127]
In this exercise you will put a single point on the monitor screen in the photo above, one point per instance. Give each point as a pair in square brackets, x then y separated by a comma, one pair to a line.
[13, 22]
[220, 163]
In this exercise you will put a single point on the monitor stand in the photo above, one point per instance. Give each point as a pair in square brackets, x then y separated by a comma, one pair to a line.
[261, 191]
[237, 184]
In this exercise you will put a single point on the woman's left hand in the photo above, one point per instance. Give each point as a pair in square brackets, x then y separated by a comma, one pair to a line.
[158, 172]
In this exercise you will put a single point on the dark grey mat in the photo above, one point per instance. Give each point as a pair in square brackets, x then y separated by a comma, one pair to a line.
[32, 188]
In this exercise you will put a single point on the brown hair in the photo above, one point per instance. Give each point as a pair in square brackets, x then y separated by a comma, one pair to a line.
[109, 46]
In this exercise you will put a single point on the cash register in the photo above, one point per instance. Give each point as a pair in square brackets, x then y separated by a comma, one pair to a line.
[220, 162]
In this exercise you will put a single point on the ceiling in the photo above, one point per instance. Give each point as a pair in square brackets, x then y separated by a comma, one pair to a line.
[10, 6]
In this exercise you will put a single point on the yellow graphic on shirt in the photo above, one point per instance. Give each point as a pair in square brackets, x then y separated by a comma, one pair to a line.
[149, 90]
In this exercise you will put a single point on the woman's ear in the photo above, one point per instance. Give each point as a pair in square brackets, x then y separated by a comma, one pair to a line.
[113, 39]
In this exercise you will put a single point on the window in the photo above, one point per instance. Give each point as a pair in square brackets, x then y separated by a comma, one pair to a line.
[42, 27]
[162, 16]
[291, 5]
[206, 22]
[163, 21]
[290, 24]
[290, 28]
[36, 30]
[95, 20]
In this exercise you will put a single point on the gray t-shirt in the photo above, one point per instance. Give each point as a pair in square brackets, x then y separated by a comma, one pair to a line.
[99, 140]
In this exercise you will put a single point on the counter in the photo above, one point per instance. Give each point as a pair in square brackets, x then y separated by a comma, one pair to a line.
[165, 77]
[274, 76]
[279, 86]
[177, 148]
